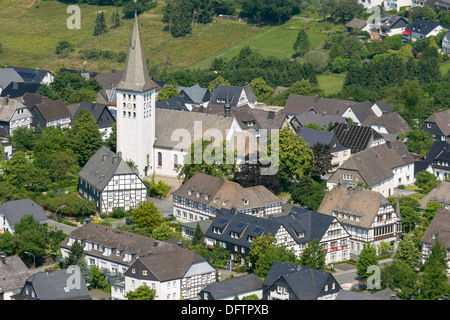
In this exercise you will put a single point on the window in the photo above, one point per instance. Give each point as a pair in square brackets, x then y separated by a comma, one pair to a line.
[347, 176]
[159, 159]
[175, 161]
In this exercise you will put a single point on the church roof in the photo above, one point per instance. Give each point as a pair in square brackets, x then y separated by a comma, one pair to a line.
[135, 74]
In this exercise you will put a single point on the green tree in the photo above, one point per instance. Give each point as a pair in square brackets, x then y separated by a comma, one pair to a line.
[167, 92]
[408, 252]
[367, 258]
[430, 209]
[345, 10]
[165, 231]
[16, 168]
[322, 159]
[36, 178]
[261, 89]
[434, 281]
[269, 10]
[23, 138]
[178, 16]
[63, 163]
[112, 140]
[308, 193]
[64, 47]
[301, 44]
[426, 181]
[402, 279]
[142, 293]
[76, 253]
[85, 137]
[115, 19]
[219, 80]
[100, 24]
[198, 237]
[146, 215]
[206, 156]
[313, 256]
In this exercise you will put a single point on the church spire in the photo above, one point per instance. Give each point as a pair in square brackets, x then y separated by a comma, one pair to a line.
[135, 74]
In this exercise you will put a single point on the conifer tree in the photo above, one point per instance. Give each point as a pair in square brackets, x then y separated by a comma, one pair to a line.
[100, 25]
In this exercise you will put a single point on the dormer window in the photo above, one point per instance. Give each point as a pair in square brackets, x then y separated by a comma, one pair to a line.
[117, 252]
[224, 202]
[246, 201]
[206, 197]
[190, 192]
[198, 194]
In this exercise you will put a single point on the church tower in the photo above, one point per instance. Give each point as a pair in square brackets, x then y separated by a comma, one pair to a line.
[135, 102]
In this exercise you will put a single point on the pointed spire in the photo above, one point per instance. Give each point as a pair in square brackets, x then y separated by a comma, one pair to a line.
[135, 74]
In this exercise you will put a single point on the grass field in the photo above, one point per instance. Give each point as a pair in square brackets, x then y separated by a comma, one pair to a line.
[331, 83]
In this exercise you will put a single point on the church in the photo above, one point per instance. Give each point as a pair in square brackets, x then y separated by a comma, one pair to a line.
[155, 139]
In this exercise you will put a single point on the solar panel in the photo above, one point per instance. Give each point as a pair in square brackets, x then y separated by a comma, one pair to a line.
[223, 220]
[257, 230]
[240, 225]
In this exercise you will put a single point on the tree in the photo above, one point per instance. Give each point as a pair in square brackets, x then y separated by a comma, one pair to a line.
[146, 215]
[16, 168]
[419, 141]
[313, 256]
[198, 237]
[100, 25]
[269, 10]
[212, 158]
[23, 138]
[178, 16]
[308, 193]
[402, 279]
[165, 231]
[293, 155]
[115, 19]
[434, 281]
[250, 175]
[63, 163]
[408, 252]
[204, 11]
[367, 258]
[345, 10]
[76, 253]
[64, 47]
[430, 209]
[322, 160]
[219, 80]
[129, 8]
[85, 137]
[301, 44]
[112, 141]
[142, 293]
[167, 92]
[261, 89]
[426, 181]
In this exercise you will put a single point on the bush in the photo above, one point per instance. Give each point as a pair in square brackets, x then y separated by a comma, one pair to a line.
[64, 47]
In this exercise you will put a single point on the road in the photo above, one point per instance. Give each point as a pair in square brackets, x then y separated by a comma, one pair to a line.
[345, 273]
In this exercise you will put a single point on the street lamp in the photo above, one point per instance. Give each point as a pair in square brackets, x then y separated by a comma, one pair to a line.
[56, 212]
[34, 259]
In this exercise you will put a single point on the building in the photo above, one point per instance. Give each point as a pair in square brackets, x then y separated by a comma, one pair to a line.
[194, 97]
[11, 212]
[388, 124]
[109, 181]
[174, 274]
[13, 273]
[296, 104]
[202, 197]
[370, 3]
[421, 28]
[446, 42]
[34, 75]
[358, 112]
[357, 138]
[325, 121]
[17, 89]
[13, 114]
[440, 194]
[54, 285]
[356, 24]
[229, 289]
[233, 96]
[439, 229]
[51, 113]
[366, 215]
[287, 281]
[437, 125]
[293, 230]
[102, 115]
[8, 75]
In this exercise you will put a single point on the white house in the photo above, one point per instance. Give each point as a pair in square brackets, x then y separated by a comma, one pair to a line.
[421, 28]
[11, 212]
[438, 229]
[13, 115]
[109, 181]
[367, 216]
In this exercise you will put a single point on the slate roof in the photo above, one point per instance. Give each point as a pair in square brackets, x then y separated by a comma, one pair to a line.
[359, 201]
[102, 167]
[110, 79]
[35, 75]
[394, 154]
[442, 120]
[16, 209]
[30, 99]
[171, 120]
[224, 190]
[305, 283]
[440, 194]
[356, 23]
[52, 109]
[50, 285]
[393, 122]
[13, 273]
[440, 225]
[296, 104]
[8, 107]
[234, 286]
[357, 138]
[436, 149]
[8, 75]
[385, 294]
[385, 106]
[96, 109]
[362, 110]
[230, 94]
[314, 136]
[135, 74]
[196, 93]
[18, 89]
[175, 103]
[322, 120]
[421, 26]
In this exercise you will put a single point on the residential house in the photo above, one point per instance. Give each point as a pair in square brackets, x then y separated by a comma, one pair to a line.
[287, 281]
[17, 89]
[8, 75]
[13, 273]
[202, 197]
[174, 103]
[358, 112]
[440, 194]
[294, 230]
[51, 113]
[357, 138]
[11, 212]
[385, 294]
[325, 121]
[446, 42]
[438, 125]
[396, 5]
[439, 162]
[194, 97]
[84, 73]
[13, 115]
[109, 181]
[229, 289]
[34, 75]
[439, 229]
[102, 115]
[389, 125]
[296, 104]
[370, 3]
[188, 228]
[356, 24]
[421, 28]
[382, 106]
[366, 215]
[54, 285]
[339, 152]
[232, 96]
[381, 168]
[7, 149]
[175, 273]
[437, 4]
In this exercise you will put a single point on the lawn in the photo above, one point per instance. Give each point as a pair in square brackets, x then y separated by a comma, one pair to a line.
[445, 67]
[331, 83]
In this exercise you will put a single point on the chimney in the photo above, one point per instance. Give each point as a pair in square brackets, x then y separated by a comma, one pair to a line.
[7, 99]
[3, 258]
[113, 70]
